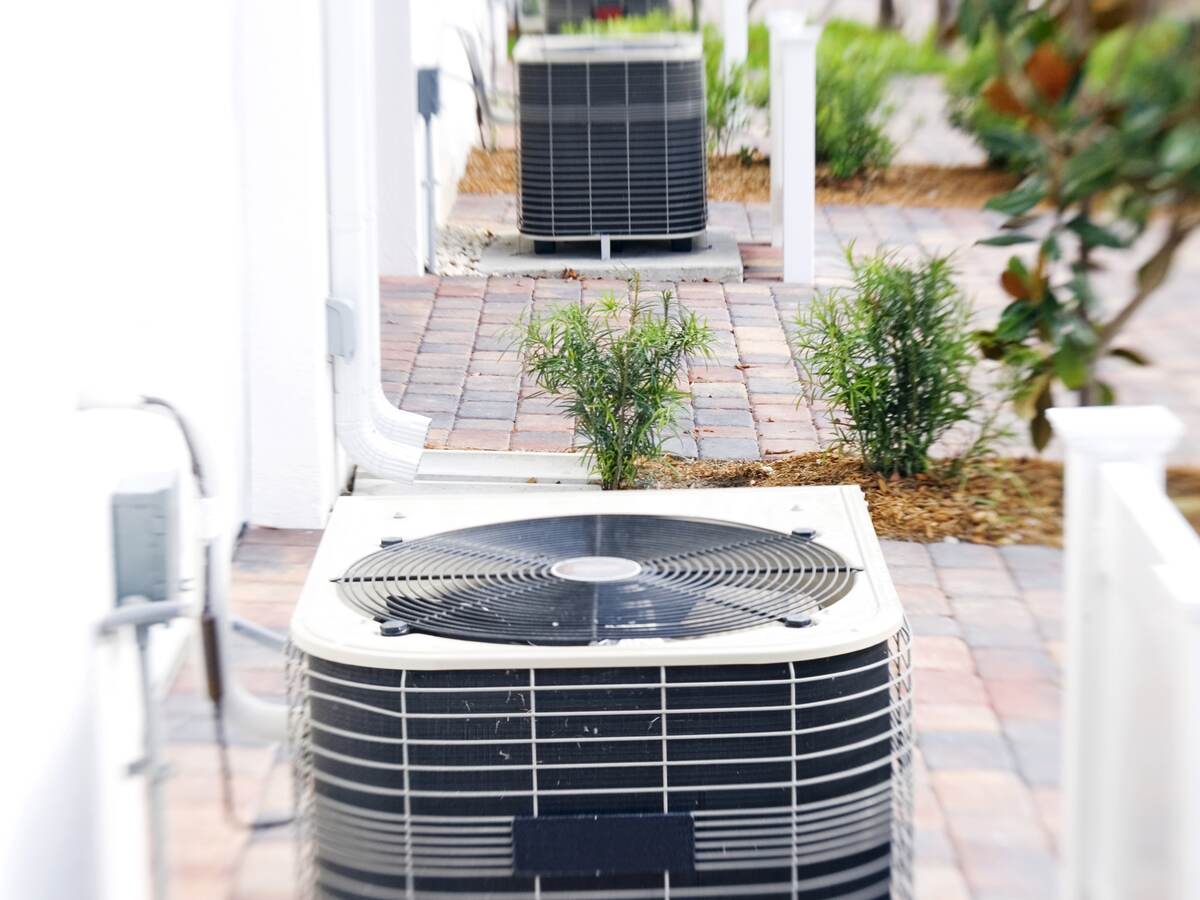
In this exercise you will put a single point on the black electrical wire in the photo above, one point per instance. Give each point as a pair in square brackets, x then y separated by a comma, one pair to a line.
[209, 631]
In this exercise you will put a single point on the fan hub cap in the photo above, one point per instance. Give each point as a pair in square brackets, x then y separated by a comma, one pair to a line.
[596, 569]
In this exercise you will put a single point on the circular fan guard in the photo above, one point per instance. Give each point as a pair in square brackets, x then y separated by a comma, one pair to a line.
[498, 583]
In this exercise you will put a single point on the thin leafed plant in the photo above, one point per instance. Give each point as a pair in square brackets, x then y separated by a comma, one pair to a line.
[614, 366]
[892, 358]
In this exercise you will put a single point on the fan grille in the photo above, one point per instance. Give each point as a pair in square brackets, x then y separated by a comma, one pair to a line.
[586, 579]
[612, 148]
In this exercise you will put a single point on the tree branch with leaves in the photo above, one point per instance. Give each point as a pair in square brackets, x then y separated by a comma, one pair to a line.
[1109, 96]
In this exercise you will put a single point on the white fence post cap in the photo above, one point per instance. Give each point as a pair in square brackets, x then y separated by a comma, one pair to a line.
[1117, 431]
[800, 33]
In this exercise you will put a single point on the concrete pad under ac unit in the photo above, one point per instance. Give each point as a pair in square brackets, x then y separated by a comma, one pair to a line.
[716, 258]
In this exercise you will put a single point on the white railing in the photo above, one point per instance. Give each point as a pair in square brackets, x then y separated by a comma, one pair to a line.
[1131, 742]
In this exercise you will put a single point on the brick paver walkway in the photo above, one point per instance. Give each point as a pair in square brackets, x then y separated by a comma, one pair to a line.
[444, 340]
[987, 630]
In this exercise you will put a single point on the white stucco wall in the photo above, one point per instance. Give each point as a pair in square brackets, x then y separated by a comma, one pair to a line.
[430, 40]
[167, 211]
[125, 273]
[295, 468]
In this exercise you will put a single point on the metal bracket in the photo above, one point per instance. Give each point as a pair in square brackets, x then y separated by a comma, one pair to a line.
[141, 613]
[339, 328]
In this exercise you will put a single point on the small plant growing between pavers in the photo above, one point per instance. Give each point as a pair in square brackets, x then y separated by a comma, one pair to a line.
[892, 358]
[614, 363]
[1109, 153]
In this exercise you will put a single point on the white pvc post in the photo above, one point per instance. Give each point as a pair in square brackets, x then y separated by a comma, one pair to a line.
[798, 188]
[779, 23]
[735, 26]
[1093, 437]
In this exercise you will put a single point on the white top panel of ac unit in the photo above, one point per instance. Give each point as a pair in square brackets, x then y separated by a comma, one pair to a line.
[590, 48]
[325, 626]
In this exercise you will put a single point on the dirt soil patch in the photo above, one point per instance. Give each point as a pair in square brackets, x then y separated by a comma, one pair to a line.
[732, 178]
[1006, 501]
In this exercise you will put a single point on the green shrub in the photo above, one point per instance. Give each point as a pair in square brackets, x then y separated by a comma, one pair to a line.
[614, 363]
[724, 96]
[892, 358]
[851, 87]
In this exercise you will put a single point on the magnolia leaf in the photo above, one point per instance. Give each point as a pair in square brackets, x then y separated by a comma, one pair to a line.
[1049, 72]
[1027, 402]
[1132, 356]
[1181, 148]
[1006, 240]
[1020, 199]
[999, 96]
[1154, 271]
[1071, 365]
[1040, 431]
[1050, 249]
[1014, 223]
[1015, 321]
[1094, 235]
[1014, 285]
[989, 346]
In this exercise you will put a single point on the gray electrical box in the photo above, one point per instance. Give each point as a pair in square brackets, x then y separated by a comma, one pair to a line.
[146, 536]
[428, 100]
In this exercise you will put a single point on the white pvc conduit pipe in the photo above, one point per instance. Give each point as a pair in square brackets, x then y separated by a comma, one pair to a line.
[382, 439]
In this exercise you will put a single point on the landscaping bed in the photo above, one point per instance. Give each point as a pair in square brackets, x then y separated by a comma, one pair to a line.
[1005, 501]
[736, 179]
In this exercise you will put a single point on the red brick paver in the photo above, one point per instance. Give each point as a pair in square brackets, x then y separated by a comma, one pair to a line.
[447, 354]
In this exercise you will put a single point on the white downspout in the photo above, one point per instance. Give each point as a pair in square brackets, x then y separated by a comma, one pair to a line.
[378, 437]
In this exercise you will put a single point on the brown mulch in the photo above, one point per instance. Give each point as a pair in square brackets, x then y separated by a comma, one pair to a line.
[731, 178]
[1004, 501]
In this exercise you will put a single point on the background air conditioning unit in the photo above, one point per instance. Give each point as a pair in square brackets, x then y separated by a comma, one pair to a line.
[611, 138]
[620, 698]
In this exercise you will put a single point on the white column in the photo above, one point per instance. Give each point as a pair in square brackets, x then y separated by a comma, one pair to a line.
[294, 474]
[798, 68]
[1093, 437]
[396, 111]
[779, 23]
[734, 32]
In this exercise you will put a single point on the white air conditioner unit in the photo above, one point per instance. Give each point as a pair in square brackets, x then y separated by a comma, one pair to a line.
[635, 694]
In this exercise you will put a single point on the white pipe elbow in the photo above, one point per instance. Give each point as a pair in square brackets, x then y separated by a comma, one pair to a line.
[397, 424]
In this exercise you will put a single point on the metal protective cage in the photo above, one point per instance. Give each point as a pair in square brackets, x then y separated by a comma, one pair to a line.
[788, 780]
[611, 137]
